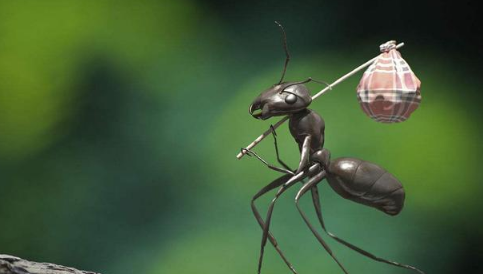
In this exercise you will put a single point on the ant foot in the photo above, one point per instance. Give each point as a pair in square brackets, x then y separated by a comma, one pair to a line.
[273, 130]
[246, 151]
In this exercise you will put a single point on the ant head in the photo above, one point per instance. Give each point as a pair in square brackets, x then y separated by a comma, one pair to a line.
[280, 99]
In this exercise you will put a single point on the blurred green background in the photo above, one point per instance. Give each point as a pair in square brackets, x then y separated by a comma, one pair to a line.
[120, 121]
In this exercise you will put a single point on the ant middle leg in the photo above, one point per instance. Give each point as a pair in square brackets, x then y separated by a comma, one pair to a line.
[276, 183]
[313, 181]
[293, 180]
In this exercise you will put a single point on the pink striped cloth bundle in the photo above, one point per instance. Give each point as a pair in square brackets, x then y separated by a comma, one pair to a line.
[389, 91]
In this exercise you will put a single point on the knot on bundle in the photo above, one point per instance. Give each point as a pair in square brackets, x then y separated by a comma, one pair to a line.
[389, 45]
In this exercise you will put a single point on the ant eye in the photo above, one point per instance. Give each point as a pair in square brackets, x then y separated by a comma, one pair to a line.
[291, 99]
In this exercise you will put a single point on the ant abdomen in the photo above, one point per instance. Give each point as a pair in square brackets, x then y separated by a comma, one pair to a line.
[366, 183]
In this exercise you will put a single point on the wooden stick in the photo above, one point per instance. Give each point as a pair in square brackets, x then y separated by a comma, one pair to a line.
[329, 87]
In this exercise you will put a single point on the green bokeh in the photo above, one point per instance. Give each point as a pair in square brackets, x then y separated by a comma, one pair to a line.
[120, 122]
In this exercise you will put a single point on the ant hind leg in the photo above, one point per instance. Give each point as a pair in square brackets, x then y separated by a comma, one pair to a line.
[318, 210]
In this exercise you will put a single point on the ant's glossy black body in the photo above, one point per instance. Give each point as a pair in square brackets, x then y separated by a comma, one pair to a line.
[354, 179]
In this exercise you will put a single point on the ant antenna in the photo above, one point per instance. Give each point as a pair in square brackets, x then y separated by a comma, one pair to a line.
[306, 81]
[287, 59]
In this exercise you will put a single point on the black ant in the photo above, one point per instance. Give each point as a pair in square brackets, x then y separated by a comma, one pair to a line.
[354, 179]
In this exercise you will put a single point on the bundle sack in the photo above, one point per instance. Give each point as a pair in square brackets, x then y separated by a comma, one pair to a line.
[389, 91]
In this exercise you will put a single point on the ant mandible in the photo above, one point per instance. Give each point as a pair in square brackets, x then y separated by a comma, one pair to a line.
[354, 179]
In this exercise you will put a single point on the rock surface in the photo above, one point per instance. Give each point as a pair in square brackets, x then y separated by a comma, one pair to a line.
[13, 265]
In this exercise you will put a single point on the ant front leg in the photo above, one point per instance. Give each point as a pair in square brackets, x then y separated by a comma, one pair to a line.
[301, 173]
[270, 166]
[274, 134]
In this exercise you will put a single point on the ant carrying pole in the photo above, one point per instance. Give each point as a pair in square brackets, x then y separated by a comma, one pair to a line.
[329, 87]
